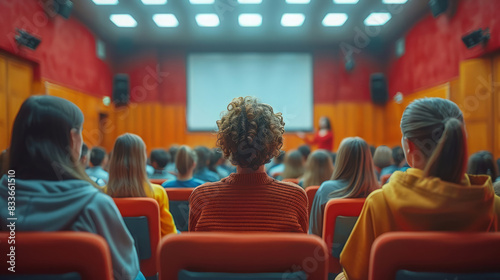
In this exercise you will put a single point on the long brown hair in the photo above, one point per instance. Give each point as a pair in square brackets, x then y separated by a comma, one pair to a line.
[319, 168]
[355, 165]
[294, 165]
[41, 145]
[436, 127]
[127, 168]
[185, 159]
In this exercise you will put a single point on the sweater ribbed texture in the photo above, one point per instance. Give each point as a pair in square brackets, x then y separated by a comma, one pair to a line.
[248, 202]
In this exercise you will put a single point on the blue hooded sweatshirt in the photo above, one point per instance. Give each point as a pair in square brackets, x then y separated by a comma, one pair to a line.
[72, 205]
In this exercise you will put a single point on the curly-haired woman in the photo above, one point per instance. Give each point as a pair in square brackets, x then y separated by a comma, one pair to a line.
[250, 135]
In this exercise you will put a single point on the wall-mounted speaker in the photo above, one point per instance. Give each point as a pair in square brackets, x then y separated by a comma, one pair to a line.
[121, 90]
[378, 88]
[438, 7]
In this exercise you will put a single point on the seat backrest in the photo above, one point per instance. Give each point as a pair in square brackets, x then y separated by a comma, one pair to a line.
[291, 180]
[179, 206]
[235, 255]
[310, 193]
[142, 217]
[53, 253]
[339, 218]
[157, 181]
[384, 179]
[425, 255]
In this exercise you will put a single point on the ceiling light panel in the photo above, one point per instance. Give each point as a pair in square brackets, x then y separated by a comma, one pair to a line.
[207, 20]
[123, 20]
[249, 1]
[201, 1]
[250, 20]
[105, 2]
[377, 19]
[154, 2]
[345, 1]
[165, 20]
[334, 19]
[298, 1]
[394, 1]
[290, 20]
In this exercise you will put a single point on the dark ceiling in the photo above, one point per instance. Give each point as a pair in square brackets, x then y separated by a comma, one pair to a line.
[229, 35]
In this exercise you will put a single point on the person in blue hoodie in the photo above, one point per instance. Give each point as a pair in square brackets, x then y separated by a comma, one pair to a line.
[53, 192]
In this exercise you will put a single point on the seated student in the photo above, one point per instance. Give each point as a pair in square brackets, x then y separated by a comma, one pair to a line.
[433, 195]
[217, 162]
[319, 168]
[159, 160]
[294, 166]
[185, 164]
[277, 165]
[53, 193]
[353, 177]
[398, 157]
[305, 150]
[173, 155]
[127, 177]
[482, 163]
[202, 172]
[84, 162]
[382, 159]
[250, 134]
[98, 158]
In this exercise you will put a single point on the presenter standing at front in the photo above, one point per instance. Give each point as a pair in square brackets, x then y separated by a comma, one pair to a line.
[323, 138]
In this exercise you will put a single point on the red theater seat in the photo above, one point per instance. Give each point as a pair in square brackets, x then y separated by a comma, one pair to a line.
[340, 216]
[39, 253]
[311, 192]
[242, 253]
[291, 180]
[179, 206]
[432, 253]
[157, 181]
[142, 217]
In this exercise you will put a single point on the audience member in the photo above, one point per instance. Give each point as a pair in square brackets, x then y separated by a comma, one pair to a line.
[483, 163]
[201, 171]
[98, 158]
[250, 134]
[185, 163]
[319, 168]
[159, 159]
[294, 166]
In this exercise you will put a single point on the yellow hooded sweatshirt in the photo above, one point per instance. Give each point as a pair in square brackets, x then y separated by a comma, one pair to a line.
[410, 202]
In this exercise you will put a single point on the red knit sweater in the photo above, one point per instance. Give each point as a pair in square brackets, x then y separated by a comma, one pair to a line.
[248, 202]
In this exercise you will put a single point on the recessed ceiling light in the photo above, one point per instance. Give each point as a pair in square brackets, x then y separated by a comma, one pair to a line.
[123, 20]
[207, 20]
[249, 1]
[201, 1]
[105, 2]
[377, 19]
[345, 1]
[334, 19]
[292, 19]
[298, 1]
[394, 1]
[154, 2]
[165, 20]
[250, 20]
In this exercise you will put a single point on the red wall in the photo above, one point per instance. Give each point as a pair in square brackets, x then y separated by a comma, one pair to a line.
[434, 47]
[66, 55]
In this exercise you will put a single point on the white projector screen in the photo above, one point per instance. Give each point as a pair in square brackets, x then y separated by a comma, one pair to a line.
[283, 80]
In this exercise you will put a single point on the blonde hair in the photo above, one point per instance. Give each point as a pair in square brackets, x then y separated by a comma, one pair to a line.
[294, 165]
[354, 164]
[184, 159]
[383, 157]
[319, 168]
[127, 168]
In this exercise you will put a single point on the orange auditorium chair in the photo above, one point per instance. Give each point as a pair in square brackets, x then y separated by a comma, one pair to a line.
[179, 206]
[311, 192]
[142, 217]
[157, 181]
[435, 255]
[339, 219]
[208, 255]
[46, 254]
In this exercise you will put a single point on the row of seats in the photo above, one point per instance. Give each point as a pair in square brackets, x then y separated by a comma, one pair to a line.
[189, 256]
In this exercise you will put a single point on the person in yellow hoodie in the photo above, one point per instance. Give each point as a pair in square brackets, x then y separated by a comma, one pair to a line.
[433, 195]
[128, 178]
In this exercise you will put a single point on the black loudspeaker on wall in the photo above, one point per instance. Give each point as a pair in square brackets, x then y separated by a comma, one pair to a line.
[121, 89]
[378, 88]
[438, 7]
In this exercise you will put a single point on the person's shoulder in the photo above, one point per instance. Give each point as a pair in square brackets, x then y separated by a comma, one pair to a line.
[196, 182]
[331, 185]
[289, 186]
